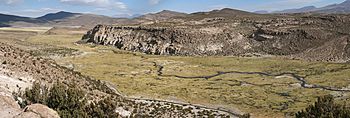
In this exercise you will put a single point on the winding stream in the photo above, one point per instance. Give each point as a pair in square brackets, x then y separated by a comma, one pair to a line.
[297, 77]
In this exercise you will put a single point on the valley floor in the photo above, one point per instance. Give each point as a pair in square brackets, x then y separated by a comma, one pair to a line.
[264, 87]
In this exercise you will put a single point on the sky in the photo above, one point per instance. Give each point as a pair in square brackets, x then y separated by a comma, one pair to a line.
[117, 8]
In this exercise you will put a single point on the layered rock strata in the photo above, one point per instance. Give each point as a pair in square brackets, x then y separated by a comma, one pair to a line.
[311, 37]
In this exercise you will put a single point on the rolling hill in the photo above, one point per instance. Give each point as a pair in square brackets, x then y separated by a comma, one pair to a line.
[58, 16]
[61, 18]
[6, 20]
[163, 15]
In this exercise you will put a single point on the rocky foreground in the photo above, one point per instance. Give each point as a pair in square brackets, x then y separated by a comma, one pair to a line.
[20, 69]
[227, 32]
[14, 78]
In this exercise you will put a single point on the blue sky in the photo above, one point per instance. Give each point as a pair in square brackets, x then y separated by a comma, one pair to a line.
[34, 8]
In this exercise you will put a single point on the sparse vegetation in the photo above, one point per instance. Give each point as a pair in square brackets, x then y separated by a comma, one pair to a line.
[134, 74]
[54, 52]
[71, 102]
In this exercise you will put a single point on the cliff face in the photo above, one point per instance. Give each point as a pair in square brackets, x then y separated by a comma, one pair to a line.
[311, 37]
[169, 41]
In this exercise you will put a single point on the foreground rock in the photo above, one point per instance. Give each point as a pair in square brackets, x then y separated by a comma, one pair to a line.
[232, 32]
[8, 106]
[39, 110]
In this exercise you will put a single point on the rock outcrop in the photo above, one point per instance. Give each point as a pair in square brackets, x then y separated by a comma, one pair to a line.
[168, 41]
[39, 110]
[312, 37]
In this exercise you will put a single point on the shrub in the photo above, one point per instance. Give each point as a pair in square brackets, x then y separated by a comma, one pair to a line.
[245, 116]
[57, 96]
[102, 109]
[69, 102]
[324, 107]
[37, 94]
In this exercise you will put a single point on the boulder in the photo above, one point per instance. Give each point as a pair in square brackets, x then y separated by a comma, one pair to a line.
[41, 110]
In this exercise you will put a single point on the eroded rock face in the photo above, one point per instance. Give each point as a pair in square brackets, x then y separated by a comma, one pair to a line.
[311, 37]
[169, 41]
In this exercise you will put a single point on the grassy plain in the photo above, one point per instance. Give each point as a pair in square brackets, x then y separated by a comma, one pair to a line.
[137, 75]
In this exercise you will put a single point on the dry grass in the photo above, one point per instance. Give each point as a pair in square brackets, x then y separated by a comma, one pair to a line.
[26, 29]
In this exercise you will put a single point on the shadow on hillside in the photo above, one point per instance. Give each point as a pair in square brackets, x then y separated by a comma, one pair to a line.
[4, 25]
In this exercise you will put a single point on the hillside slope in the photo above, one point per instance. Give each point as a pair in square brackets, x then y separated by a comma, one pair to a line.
[20, 69]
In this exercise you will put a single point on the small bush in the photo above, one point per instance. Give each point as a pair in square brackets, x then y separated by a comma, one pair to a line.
[324, 107]
[37, 94]
[245, 116]
[69, 102]
[102, 109]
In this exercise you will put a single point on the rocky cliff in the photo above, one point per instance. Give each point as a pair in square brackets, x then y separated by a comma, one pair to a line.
[312, 37]
[169, 41]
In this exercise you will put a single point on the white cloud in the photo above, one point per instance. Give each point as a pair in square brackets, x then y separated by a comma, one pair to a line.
[154, 2]
[99, 3]
[9, 2]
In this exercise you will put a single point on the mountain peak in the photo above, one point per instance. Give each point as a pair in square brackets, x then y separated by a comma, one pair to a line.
[168, 12]
[231, 11]
[64, 12]
[228, 9]
[162, 15]
[57, 16]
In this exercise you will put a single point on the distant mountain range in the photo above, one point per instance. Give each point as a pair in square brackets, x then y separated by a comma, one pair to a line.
[63, 18]
[54, 19]
[6, 19]
[343, 7]
[90, 20]
[58, 16]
